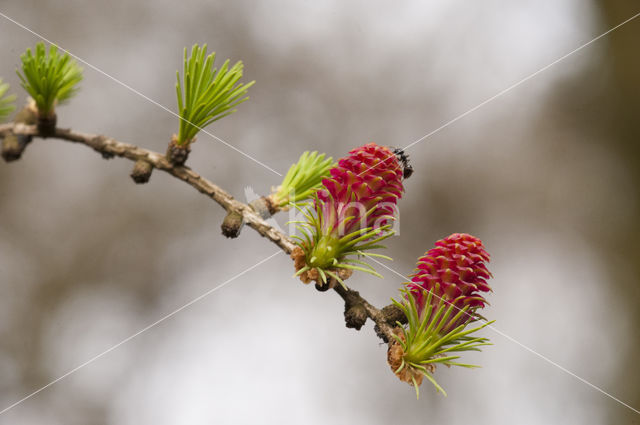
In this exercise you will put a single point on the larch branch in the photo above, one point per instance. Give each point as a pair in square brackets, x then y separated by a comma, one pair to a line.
[357, 309]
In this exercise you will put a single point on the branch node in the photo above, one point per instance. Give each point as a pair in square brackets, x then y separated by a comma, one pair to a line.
[263, 206]
[393, 314]
[233, 221]
[141, 172]
[46, 125]
[13, 146]
[355, 311]
[355, 316]
[381, 334]
[232, 224]
[177, 154]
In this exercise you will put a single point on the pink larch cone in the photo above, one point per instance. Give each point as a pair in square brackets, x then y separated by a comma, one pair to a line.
[370, 176]
[353, 212]
[456, 272]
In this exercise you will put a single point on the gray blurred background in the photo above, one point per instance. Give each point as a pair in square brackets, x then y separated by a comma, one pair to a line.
[547, 175]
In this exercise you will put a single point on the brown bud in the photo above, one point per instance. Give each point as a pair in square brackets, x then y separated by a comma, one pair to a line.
[178, 154]
[141, 172]
[46, 124]
[11, 147]
[393, 314]
[232, 224]
[355, 316]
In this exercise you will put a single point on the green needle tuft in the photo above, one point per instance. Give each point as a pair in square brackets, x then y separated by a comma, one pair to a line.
[49, 78]
[206, 94]
[303, 179]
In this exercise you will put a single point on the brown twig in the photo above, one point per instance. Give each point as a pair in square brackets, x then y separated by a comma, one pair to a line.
[109, 148]
[357, 309]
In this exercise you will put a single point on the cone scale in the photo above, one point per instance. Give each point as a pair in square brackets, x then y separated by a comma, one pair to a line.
[455, 270]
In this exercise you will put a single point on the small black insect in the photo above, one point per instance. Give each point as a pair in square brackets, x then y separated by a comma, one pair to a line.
[407, 169]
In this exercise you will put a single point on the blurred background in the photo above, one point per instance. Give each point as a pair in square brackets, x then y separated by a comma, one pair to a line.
[547, 175]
